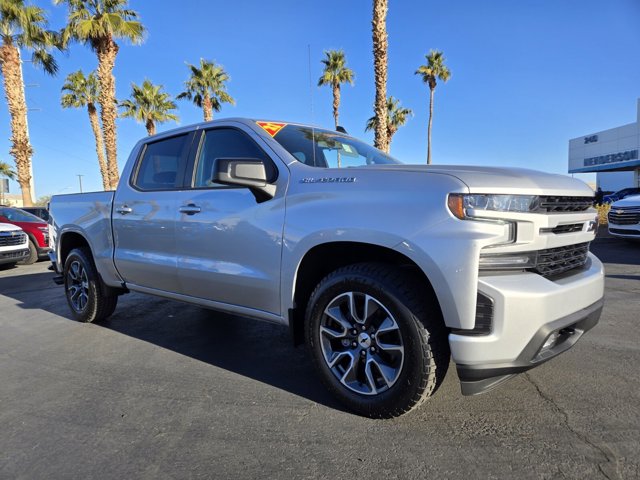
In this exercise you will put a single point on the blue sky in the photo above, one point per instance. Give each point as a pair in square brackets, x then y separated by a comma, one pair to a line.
[526, 76]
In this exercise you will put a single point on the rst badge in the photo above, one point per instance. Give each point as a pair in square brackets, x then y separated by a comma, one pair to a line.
[328, 180]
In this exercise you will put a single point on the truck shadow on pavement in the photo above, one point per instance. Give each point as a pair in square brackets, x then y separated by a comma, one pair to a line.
[254, 349]
[257, 350]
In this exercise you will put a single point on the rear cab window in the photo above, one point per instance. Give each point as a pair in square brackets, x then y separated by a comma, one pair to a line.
[160, 164]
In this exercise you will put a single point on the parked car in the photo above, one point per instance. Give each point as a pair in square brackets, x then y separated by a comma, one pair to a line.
[384, 270]
[624, 218]
[14, 245]
[36, 229]
[620, 194]
[40, 212]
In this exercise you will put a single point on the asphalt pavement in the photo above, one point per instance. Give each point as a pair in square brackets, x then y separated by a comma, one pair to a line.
[166, 390]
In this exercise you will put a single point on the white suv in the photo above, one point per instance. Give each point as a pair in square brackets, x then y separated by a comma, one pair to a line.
[14, 245]
[624, 217]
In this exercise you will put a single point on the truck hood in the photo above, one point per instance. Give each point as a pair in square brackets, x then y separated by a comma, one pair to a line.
[632, 201]
[500, 179]
[7, 227]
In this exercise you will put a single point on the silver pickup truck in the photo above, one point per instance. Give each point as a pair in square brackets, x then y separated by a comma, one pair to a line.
[384, 270]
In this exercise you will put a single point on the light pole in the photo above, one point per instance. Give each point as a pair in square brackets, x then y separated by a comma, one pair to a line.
[80, 181]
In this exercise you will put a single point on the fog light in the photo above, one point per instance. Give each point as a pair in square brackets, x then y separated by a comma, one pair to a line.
[551, 342]
[502, 261]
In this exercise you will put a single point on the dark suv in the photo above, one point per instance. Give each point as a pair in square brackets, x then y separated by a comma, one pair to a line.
[41, 212]
[36, 228]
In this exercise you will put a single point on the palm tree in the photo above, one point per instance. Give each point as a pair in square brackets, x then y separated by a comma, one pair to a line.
[149, 105]
[82, 92]
[206, 88]
[397, 116]
[7, 172]
[22, 27]
[335, 73]
[434, 69]
[380, 44]
[98, 24]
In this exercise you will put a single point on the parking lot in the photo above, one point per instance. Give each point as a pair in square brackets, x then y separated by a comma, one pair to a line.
[166, 390]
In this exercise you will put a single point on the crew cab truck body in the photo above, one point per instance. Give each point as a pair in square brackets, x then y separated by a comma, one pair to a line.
[384, 270]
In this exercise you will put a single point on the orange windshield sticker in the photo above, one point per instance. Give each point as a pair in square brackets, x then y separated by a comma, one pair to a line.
[272, 128]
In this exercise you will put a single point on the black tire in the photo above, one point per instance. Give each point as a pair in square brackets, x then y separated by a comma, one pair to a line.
[418, 330]
[33, 255]
[84, 289]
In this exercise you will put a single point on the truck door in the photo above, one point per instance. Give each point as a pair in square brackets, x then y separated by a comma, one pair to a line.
[144, 215]
[229, 245]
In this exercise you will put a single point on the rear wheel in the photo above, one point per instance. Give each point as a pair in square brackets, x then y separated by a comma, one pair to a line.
[378, 346]
[33, 255]
[84, 289]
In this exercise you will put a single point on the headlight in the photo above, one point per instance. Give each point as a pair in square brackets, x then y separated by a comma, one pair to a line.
[460, 204]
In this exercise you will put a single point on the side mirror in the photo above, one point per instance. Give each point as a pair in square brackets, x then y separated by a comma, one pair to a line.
[244, 172]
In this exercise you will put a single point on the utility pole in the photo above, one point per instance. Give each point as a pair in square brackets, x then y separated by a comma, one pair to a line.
[80, 181]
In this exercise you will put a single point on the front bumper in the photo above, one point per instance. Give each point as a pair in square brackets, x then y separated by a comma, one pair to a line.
[625, 231]
[528, 308]
[13, 256]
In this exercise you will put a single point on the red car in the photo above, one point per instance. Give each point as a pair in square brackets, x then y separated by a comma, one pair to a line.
[34, 227]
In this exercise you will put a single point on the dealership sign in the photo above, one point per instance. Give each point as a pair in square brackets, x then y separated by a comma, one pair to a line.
[612, 158]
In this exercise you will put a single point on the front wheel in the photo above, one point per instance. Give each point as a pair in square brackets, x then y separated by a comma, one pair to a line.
[84, 289]
[379, 347]
[33, 255]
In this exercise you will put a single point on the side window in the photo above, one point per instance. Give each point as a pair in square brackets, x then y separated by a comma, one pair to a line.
[225, 143]
[158, 167]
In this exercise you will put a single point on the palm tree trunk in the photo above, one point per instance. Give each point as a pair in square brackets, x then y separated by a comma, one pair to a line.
[21, 149]
[380, 45]
[151, 127]
[429, 129]
[102, 162]
[391, 131]
[107, 51]
[336, 102]
[207, 108]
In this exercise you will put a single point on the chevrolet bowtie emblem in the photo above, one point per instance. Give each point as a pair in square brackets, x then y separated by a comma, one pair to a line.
[619, 212]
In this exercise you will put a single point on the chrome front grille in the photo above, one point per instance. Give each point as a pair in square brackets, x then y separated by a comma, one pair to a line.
[554, 261]
[624, 215]
[552, 204]
[11, 239]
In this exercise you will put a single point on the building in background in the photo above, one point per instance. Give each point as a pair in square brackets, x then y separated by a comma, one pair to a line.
[612, 154]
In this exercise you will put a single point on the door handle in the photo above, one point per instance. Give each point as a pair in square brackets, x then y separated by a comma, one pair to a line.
[124, 209]
[190, 209]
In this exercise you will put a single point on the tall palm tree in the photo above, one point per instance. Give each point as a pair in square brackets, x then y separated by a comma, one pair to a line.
[434, 70]
[335, 73]
[22, 27]
[149, 105]
[397, 116]
[82, 91]
[380, 45]
[98, 24]
[206, 87]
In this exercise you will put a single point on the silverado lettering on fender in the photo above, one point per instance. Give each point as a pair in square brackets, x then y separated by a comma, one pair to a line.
[384, 270]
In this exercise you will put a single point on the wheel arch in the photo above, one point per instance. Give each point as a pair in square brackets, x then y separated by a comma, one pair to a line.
[324, 258]
[68, 241]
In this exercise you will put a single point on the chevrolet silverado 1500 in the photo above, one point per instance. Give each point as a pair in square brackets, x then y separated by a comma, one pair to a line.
[384, 270]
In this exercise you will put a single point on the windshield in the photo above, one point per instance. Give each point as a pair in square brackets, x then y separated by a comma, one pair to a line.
[324, 148]
[17, 215]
